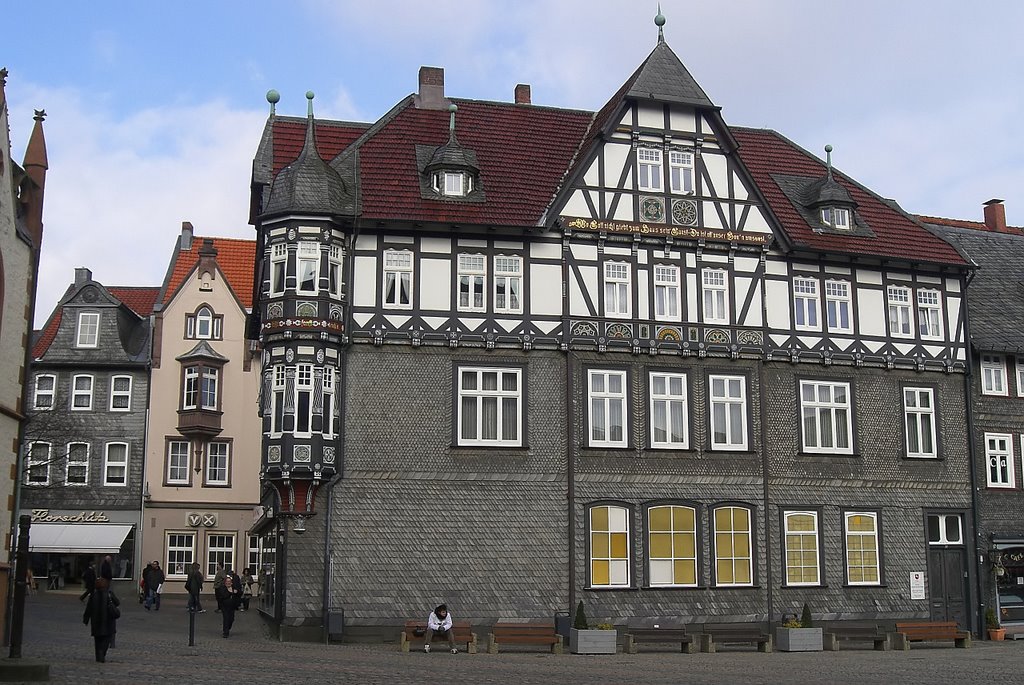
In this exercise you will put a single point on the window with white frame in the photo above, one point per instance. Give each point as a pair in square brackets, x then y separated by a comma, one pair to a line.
[77, 471]
[217, 462]
[648, 168]
[277, 399]
[253, 559]
[334, 270]
[672, 546]
[327, 382]
[453, 183]
[836, 217]
[303, 399]
[178, 462]
[805, 303]
[208, 388]
[716, 295]
[115, 464]
[490, 406]
[190, 388]
[993, 374]
[899, 311]
[616, 289]
[1019, 364]
[472, 276]
[837, 305]
[733, 543]
[397, 279]
[945, 529]
[81, 393]
[803, 566]
[863, 557]
[220, 549]
[929, 314]
[181, 548]
[669, 416]
[204, 325]
[278, 268]
[121, 393]
[919, 410]
[88, 329]
[46, 385]
[609, 547]
[666, 293]
[680, 164]
[37, 470]
[728, 399]
[826, 417]
[308, 267]
[508, 285]
[999, 459]
[607, 408]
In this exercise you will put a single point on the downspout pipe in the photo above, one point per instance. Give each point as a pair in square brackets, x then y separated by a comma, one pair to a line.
[972, 459]
[570, 456]
[765, 493]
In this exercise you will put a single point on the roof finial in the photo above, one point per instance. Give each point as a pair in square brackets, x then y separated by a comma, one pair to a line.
[309, 105]
[3, 76]
[40, 114]
[659, 21]
[273, 97]
[452, 108]
[828, 159]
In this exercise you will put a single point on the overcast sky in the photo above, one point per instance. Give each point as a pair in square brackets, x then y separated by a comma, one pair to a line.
[155, 109]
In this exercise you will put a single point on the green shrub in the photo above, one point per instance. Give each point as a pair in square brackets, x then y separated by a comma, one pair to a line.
[581, 618]
[805, 617]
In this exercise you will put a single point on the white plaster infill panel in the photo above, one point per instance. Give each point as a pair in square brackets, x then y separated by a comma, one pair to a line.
[546, 326]
[435, 322]
[397, 321]
[365, 290]
[842, 343]
[904, 348]
[871, 310]
[873, 345]
[546, 289]
[935, 351]
[779, 340]
[472, 324]
[361, 319]
[508, 325]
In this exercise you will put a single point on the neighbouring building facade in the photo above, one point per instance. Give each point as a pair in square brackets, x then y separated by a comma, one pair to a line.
[202, 466]
[516, 356]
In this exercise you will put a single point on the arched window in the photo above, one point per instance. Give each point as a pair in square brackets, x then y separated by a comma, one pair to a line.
[204, 324]
[733, 544]
[672, 546]
[610, 546]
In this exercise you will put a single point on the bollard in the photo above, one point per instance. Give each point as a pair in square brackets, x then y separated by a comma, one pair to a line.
[191, 626]
[20, 583]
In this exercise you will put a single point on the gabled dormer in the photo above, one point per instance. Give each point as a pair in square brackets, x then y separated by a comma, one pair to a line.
[831, 204]
[450, 171]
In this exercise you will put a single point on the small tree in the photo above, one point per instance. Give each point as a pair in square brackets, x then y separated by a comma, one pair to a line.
[581, 618]
[805, 617]
[991, 620]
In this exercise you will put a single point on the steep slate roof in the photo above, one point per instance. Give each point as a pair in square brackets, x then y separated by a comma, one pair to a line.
[235, 257]
[663, 77]
[896, 234]
[139, 299]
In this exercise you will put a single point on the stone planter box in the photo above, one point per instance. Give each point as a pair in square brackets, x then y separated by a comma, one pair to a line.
[798, 639]
[592, 641]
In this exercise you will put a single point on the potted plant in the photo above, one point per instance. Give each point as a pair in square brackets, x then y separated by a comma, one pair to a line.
[799, 635]
[586, 640]
[995, 631]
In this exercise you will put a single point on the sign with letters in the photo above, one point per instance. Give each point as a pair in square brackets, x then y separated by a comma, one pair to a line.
[44, 516]
[681, 232]
[201, 519]
[917, 590]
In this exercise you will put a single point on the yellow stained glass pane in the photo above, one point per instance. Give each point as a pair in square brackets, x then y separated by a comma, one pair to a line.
[599, 573]
[811, 575]
[723, 519]
[599, 518]
[861, 524]
[661, 545]
[661, 572]
[683, 518]
[742, 573]
[801, 522]
[856, 574]
[741, 545]
[723, 572]
[685, 573]
[599, 545]
[684, 545]
[723, 545]
[741, 519]
[618, 550]
[870, 558]
[661, 518]
[793, 558]
[809, 558]
[870, 575]
[854, 542]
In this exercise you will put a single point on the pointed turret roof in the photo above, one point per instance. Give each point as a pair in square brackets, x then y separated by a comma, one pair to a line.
[663, 77]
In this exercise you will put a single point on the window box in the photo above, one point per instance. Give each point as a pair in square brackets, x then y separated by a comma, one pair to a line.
[591, 641]
[798, 639]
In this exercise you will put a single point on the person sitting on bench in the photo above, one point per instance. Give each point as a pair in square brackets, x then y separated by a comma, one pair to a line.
[440, 622]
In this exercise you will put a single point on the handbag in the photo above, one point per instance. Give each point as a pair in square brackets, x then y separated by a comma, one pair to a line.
[112, 608]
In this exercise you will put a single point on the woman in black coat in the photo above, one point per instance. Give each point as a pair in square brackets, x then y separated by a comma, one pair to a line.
[228, 596]
[102, 611]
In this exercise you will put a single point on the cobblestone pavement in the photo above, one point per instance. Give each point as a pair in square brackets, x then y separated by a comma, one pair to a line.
[152, 647]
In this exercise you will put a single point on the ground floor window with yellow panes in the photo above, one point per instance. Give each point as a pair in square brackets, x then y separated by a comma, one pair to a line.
[801, 536]
[862, 557]
[609, 546]
[672, 546]
[733, 544]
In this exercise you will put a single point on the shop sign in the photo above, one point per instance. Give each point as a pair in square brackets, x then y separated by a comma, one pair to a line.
[44, 516]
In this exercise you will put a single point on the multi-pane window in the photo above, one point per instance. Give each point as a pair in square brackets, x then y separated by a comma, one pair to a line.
[490, 406]
[46, 384]
[398, 279]
[733, 538]
[115, 464]
[999, 459]
[669, 417]
[254, 554]
[616, 289]
[334, 270]
[945, 529]
[681, 171]
[929, 314]
[836, 217]
[837, 305]
[728, 412]
[303, 398]
[190, 388]
[217, 455]
[825, 413]
[203, 325]
[278, 268]
[121, 393]
[609, 547]
[38, 467]
[472, 276]
[802, 556]
[805, 303]
[666, 293]
[177, 462]
[220, 549]
[993, 374]
[180, 553]
[81, 392]
[716, 295]
[607, 408]
[1019, 363]
[327, 382]
[672, 546]
[899, 311]
[278, 400]
[508, 285]
[648, 168]
[919, 409]
[308, 267]
[863, 565]
[454, 183]
[208, 388]
[78, 464]
[88, 329]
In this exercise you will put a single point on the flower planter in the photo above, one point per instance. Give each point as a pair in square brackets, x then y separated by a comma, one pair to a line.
[798, 639]
[592, 641]
[997, 634]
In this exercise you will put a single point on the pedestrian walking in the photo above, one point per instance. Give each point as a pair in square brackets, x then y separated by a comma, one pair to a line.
[194, 585]
[102, 611]
[218, 583]
[247, 582]
[88, 580]
[107, 568]
[153, 578]
[228, 596]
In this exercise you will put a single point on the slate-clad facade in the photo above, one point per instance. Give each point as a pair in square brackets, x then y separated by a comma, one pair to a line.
[638, 358]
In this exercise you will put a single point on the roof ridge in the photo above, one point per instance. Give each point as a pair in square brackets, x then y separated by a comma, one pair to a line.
[517, 105]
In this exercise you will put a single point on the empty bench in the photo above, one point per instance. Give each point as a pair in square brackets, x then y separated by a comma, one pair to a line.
[723, 633]
[666, 635]
[416, 631]
[855, 631]
[928, 631]
[524, 634]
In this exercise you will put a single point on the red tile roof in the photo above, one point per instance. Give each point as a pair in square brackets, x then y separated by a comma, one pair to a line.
[235, 257]
[765, 152]
[962, 223]
[139, 299]
[331, 138]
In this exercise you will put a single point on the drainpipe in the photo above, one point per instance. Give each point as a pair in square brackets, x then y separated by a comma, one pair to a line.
[972, 459]
[764, 467]
[570, 463]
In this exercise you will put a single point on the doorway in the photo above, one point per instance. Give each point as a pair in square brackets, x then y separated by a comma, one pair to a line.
[947, 570]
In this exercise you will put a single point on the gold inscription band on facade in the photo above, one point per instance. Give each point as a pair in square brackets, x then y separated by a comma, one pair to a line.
[682, 232]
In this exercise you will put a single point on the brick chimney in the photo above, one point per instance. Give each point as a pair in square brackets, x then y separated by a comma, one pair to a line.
[82, 276]
[523, 94]
[186, 236]
[995, 216]
[431, 93]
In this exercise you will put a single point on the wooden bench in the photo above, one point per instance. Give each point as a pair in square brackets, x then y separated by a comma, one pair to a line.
[525, 634]
[659, 634]
[855, 630]
[928, 631]
[415, 631]
[750, 633]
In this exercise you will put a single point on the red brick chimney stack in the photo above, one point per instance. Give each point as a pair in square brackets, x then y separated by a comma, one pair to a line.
[523, 94]
[431, 93]
[995, 216]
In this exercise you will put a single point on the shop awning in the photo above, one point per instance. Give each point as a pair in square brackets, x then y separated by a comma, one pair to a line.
[77, 538]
